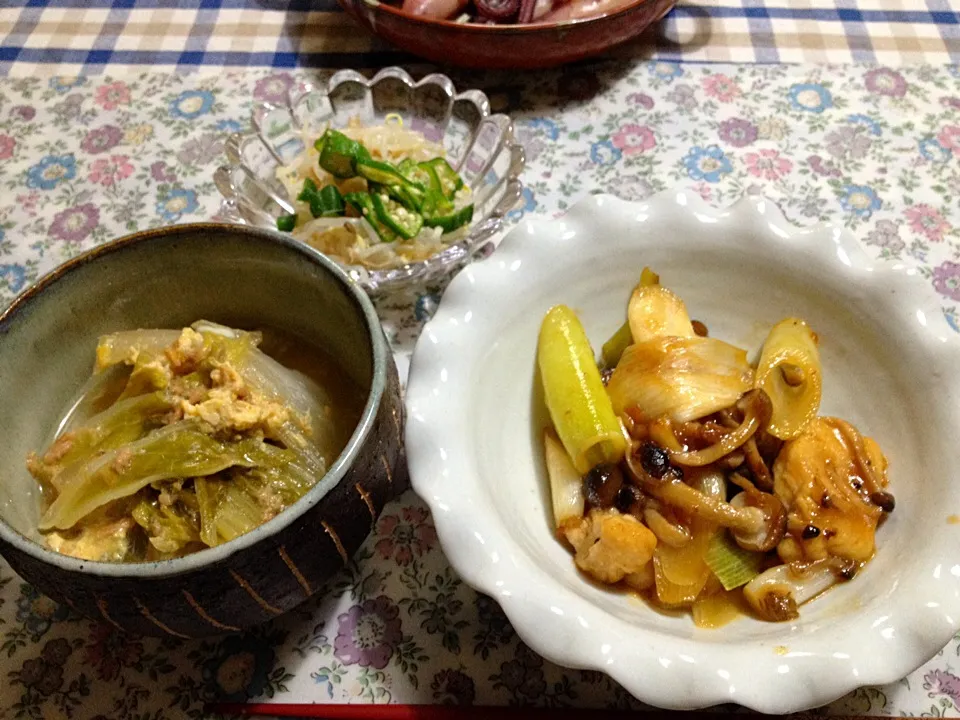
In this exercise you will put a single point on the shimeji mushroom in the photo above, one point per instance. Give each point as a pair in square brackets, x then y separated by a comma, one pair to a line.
[757, 521]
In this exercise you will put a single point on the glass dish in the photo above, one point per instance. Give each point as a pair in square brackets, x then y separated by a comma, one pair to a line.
[479, 145]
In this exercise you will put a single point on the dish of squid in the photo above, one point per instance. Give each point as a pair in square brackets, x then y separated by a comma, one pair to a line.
[706, 483]
[518, 12]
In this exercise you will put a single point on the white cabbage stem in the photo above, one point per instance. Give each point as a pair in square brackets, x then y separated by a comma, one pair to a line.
[566, 487]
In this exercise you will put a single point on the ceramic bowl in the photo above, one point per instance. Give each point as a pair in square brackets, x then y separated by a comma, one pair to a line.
[509, 47]
[171, 277]
[479, 145]
[475, 420]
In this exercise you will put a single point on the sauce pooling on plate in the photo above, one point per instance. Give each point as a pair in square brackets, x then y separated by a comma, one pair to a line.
[186, 439]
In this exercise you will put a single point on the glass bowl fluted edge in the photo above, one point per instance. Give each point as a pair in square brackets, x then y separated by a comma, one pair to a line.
[479, 144]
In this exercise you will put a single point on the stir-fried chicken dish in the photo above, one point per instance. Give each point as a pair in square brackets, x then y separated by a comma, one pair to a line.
[704, 482]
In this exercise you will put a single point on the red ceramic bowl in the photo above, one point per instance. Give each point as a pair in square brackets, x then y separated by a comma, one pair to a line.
[536, 45]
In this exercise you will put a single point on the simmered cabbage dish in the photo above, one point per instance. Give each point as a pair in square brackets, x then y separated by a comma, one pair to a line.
[186, 439]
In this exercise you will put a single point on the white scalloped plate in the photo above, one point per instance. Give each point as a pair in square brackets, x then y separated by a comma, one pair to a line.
[473, 441]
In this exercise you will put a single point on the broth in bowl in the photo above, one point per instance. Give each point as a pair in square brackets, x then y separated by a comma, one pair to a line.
[185, 439]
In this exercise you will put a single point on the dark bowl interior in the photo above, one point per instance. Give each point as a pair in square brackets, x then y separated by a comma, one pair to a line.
[237, 276]
[506, 47]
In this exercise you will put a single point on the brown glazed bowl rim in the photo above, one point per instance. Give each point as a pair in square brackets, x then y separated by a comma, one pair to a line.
[209, 556]
[506, 29]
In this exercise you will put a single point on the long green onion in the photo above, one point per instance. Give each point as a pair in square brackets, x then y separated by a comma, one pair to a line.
[732, 565]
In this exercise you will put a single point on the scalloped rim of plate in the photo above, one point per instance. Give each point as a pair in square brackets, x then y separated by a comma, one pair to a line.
[816, 675]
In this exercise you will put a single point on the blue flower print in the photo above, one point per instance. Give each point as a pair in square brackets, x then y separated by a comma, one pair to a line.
[872, 125]
[240, 669]
[425, 306]
[810, 97]
[37, 613]
[191, 104]
[528, 203]
[666, 71]
[932, 150]
[604, 153]
[51, 171]
[707, 163]
[953, 320]
[230, 126]
[177, 203]
[12, 277]
[860, 200]
[547, 127]
[62, 84]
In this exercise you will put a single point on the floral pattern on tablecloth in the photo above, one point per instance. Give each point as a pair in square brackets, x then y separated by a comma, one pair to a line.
[84, 160]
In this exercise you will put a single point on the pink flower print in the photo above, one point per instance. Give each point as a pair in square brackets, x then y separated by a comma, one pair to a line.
[112, 96]
[925, 220]
[24, 112]
[273, 88]
[767, 164]
[633, 139]
[884, 81]
[28, 202]
[941, 682]
[102, 139]
[820, 167]
[7, 144]
[406, 536]
[721, 87]
[949, 137]
[160, 172]
[641, 99]
[368, 634]
[107, 171]
[74, 224]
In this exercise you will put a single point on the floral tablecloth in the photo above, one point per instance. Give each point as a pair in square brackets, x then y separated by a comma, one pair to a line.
[82, 161]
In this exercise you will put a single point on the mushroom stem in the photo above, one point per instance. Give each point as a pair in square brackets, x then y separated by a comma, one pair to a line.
[669, 533]
[757, 413]
[759, 469]
[671, 490]
[854, 440]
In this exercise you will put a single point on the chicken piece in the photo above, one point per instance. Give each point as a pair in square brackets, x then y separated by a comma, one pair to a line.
[643, 580]
[610, 545]
[829, 478]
